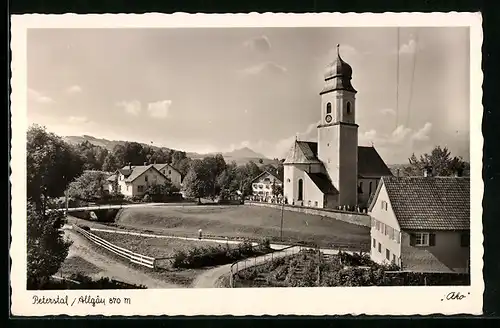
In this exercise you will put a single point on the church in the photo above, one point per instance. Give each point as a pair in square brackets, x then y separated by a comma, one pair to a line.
[335, 171]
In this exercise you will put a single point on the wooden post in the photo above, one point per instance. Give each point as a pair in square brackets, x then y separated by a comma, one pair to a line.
[281, 224]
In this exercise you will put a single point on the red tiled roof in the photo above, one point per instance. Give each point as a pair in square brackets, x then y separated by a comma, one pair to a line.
[430, 203]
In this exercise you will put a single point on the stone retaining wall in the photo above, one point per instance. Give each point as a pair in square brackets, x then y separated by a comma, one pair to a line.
[349, 217]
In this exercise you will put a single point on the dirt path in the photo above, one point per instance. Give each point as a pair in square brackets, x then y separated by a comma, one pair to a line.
[110, 267]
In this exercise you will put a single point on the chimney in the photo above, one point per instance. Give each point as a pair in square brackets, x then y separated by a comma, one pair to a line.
[427, 171]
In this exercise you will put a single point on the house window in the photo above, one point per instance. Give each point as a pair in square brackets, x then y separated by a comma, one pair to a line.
[421, 239]
[140, 188]
[378, 225]
[374, 243]
[465, 239]
[386, 231]
[301, 191]
[328, 108]
[348, 108]
[384, 205]
[163, 171]
[169, 172]
[261, 186]
[387, 254]
[379, 248]
[255, 186]
[146, 178]
[127, 187]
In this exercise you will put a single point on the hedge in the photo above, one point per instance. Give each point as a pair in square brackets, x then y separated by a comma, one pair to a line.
[85, 282]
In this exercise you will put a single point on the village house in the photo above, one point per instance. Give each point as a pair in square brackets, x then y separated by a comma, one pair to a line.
[170, 172]
[133, 180]
[334, 171]
[263, 184]
[422, 224]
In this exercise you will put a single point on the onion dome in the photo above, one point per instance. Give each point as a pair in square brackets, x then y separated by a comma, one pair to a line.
[338, 75]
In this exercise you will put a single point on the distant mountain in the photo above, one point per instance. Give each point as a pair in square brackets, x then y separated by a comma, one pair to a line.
[244, 152]
[240, 156]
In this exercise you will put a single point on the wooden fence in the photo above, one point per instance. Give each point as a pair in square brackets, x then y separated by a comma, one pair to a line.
[136, 258]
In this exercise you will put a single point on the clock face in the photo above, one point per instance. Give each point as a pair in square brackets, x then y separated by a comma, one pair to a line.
[328, 118]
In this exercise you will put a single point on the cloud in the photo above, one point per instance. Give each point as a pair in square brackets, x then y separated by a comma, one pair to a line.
[159, 109]
[74, 89]
[368, 137]
[39, 97]
[388, 111]
[400, 134]
[78, 119]
[264, 68]
[408, 48]
[283, 145]
[131, 107]
[258, 44]
[423, 133]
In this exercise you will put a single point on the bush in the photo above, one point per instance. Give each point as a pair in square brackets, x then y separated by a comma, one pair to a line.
[198, 257]
[85, 282]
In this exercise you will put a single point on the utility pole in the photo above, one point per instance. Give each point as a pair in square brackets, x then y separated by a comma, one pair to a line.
[66, 201]
[281, 225]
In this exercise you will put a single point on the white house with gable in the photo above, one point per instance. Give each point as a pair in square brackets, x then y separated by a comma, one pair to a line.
[422, 223]
[133, 180]
[170, 172]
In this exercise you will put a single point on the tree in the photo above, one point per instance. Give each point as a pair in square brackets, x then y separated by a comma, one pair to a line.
[198, 181]
[158, 191]
[277, 189]
[88, 186]
[46, 246]
[439, 160]
[111, 163]
[183, 166]
[261, 161]
[51, 164]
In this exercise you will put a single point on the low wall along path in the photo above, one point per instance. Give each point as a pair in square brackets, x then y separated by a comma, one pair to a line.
[349, 217]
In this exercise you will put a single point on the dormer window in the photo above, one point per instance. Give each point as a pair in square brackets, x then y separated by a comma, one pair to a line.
[348, 108]
[329, 108]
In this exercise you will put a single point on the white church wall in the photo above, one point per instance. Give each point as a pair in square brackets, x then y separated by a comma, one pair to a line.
[311, 195]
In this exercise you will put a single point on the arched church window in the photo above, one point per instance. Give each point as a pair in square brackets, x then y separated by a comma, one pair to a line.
[360, 188]
[328, 108]
[348, 108]
[301, 190]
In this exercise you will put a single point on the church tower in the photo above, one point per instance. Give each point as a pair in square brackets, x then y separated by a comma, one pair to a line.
[338, 131]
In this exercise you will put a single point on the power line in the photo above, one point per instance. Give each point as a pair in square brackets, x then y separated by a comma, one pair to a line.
[412, 79]
[397, 80]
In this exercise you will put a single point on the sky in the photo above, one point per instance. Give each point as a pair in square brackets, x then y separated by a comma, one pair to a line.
[220, 89]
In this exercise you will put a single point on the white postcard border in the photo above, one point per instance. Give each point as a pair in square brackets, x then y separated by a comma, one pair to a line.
[259, 301]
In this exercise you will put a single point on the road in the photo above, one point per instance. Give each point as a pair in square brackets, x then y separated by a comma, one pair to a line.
[109, 207]
[110, 267]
